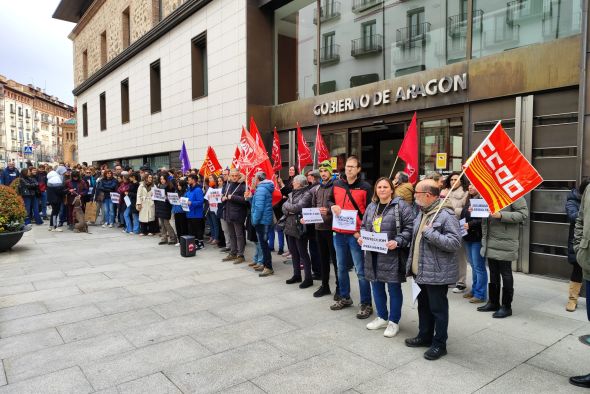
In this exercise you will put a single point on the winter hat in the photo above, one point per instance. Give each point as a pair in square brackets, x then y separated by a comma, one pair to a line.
[326, 165]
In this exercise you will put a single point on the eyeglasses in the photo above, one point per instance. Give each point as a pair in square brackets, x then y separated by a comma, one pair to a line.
[421, 192]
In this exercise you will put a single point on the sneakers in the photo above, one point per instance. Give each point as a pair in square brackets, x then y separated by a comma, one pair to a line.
[468, 295]
[239, 260]
[475, 300]
[377, 324]
[266, 272]
[259, 267]
[435, 352]
[460, 288]
[50, 229]
[365, 311]
[341, 304]
[322, 291]
[59, 230]
[110, 226]
[229, 257]
[252, 264]
[176, 244]
[104, 225]
[417, 342]
[391, 330]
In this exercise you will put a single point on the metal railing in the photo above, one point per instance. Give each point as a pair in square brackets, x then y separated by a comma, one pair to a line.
[361, 5]
[457, 24]
[328, 11]
[367, 45]
[328, 54]
[412, 35]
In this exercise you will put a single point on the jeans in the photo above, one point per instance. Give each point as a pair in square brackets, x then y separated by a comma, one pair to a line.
[262, 234]
[258, 257]
[31, 204]
[109, 213]
[346, 245]
[433, 314]
[396, 298]
[128, 223]
[299, 255]
[478, 270]
[213, 225]
[325, 243]
[44, 204]
[135, 216]
[280, 237]
[500, 268]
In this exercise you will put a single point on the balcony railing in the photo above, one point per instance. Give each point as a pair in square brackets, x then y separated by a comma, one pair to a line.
[362, 5]
[457, 24]
[411, 36]
[328, 55]
[367, 45]
[328, 11]
[522, 10]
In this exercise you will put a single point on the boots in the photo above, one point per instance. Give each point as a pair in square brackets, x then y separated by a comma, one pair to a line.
[493, 299]
[506, 308]
[572, 303]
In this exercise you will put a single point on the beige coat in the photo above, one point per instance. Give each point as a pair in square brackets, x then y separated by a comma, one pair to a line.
[145, 204]
[458, 198]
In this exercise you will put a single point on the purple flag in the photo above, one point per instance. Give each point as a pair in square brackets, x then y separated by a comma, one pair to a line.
[186, 164]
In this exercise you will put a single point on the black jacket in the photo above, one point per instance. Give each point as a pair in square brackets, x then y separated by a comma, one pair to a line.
[235, 207]
[163, 208]
[28, 186]
[132, 194]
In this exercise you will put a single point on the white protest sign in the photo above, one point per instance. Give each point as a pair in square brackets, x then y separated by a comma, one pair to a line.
[374, 242]
[312, 215]
[184, 204]
[173, 198]
[115, 197]
[345, 221]
[127, 201]
[462, 225]
[479, 208]
[214, 198]
[158, 194]
[415, 291]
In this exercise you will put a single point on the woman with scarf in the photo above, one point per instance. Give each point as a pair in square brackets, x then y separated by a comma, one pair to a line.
[164, 212]
[145, 206]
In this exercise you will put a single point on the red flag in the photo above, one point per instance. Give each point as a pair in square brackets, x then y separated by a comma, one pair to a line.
[210, 164]
[408, 151]
[320, 147]
[234, 161]
[303, 152]
[499, 172]
[251, 154]
[256, 134]
[276, 152]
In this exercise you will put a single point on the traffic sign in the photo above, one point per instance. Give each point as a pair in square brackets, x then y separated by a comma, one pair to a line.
[28, 150]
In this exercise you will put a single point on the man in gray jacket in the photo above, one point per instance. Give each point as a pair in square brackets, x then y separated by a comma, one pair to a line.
[433, 264]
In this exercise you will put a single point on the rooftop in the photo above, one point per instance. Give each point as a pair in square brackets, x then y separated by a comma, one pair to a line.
[71, 10]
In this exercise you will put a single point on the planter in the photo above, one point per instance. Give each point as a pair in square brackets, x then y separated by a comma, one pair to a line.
[8, 240]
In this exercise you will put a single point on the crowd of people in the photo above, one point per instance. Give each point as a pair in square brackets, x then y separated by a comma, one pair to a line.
[431, 231]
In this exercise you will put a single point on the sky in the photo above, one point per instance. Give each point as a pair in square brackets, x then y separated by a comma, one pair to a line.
[34, 48]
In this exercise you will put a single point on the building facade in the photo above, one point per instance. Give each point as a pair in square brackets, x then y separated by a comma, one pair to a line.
[30, 118]
[69, 145]
[357, 68]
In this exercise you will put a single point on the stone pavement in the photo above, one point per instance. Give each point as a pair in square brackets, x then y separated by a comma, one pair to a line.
[112, 313]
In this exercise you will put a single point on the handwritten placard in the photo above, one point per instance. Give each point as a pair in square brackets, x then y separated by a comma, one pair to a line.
[173, 198]
[115, 197]
[345, 221]
[312, 215]
[374, 242]
[214, 198]
[158, 194]
[184, 204]
[479, 208]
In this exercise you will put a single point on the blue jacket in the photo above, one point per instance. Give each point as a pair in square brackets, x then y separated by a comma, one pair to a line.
[107, 186]
[178, 208]
[262, 212]
[195, 196]
[9, 175]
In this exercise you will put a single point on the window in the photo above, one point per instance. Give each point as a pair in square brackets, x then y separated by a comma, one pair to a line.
[125, 101]
[103, 48]
[126, 28]
[415, 23]
[156, 11]
[369, 29]
[11, 108]
[84, 120]
[155, 87]
[199, 65]
[103, 111]
[85, 65]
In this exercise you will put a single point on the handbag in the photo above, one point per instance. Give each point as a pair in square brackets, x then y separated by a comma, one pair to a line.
[280, 224]
[90, 212]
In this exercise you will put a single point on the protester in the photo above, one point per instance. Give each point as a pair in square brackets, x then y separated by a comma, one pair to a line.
[194, 217]
[433, 264]
[145, 206]
[74, 187]
[472, 244]
[403, 187]
[99, 198]
[179, 215]
[234, 213]
[572, 207]
[9, 174]
[394, 217]
[163, 211]
[131, 213]
[28, 189]
[296, 232]
[42, 182]
[500, 245]
[262, 217]
[55, 196]
[278, 212]
[323, 231]
[108, 185]
[351, 193]
[221, 211]
[581, 248]
[313, 180]
[91, 182]
[214, 224]
[123, 190]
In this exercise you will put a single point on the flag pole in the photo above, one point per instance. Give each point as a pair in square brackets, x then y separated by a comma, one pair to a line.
[315, 148]
[392, 168]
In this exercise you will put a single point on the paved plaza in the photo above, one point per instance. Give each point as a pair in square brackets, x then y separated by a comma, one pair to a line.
[112, 313]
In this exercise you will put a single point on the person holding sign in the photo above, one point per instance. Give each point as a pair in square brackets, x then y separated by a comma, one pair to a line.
[194, 216]
[349, 195]
[164, 212]
[107, 185]
[131, 213]
[432, 262]
[394, 217]
[179, 214]
[145, 206]
[500, 245]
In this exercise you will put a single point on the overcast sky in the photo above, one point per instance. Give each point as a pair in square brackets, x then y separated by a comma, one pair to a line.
[34, 48]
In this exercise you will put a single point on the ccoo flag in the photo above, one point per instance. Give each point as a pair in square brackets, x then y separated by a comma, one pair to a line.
[210, 164]
[499, 171]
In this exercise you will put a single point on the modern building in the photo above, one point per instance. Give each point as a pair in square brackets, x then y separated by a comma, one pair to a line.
[30, 118]
[149, 75]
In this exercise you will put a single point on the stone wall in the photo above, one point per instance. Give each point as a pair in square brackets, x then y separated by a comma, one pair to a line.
[109, 17]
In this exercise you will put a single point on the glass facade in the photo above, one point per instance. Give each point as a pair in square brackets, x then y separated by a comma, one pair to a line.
[364, 41]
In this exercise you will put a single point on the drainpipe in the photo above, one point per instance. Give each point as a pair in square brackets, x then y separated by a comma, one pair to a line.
[582, 90]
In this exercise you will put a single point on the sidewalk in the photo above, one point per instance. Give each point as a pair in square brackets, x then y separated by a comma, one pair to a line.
[112, 313]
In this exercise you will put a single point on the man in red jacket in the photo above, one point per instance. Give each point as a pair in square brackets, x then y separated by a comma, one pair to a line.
[351, 194]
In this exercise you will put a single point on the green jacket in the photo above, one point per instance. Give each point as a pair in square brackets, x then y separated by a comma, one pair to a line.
[500, 240]
[582, 235]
